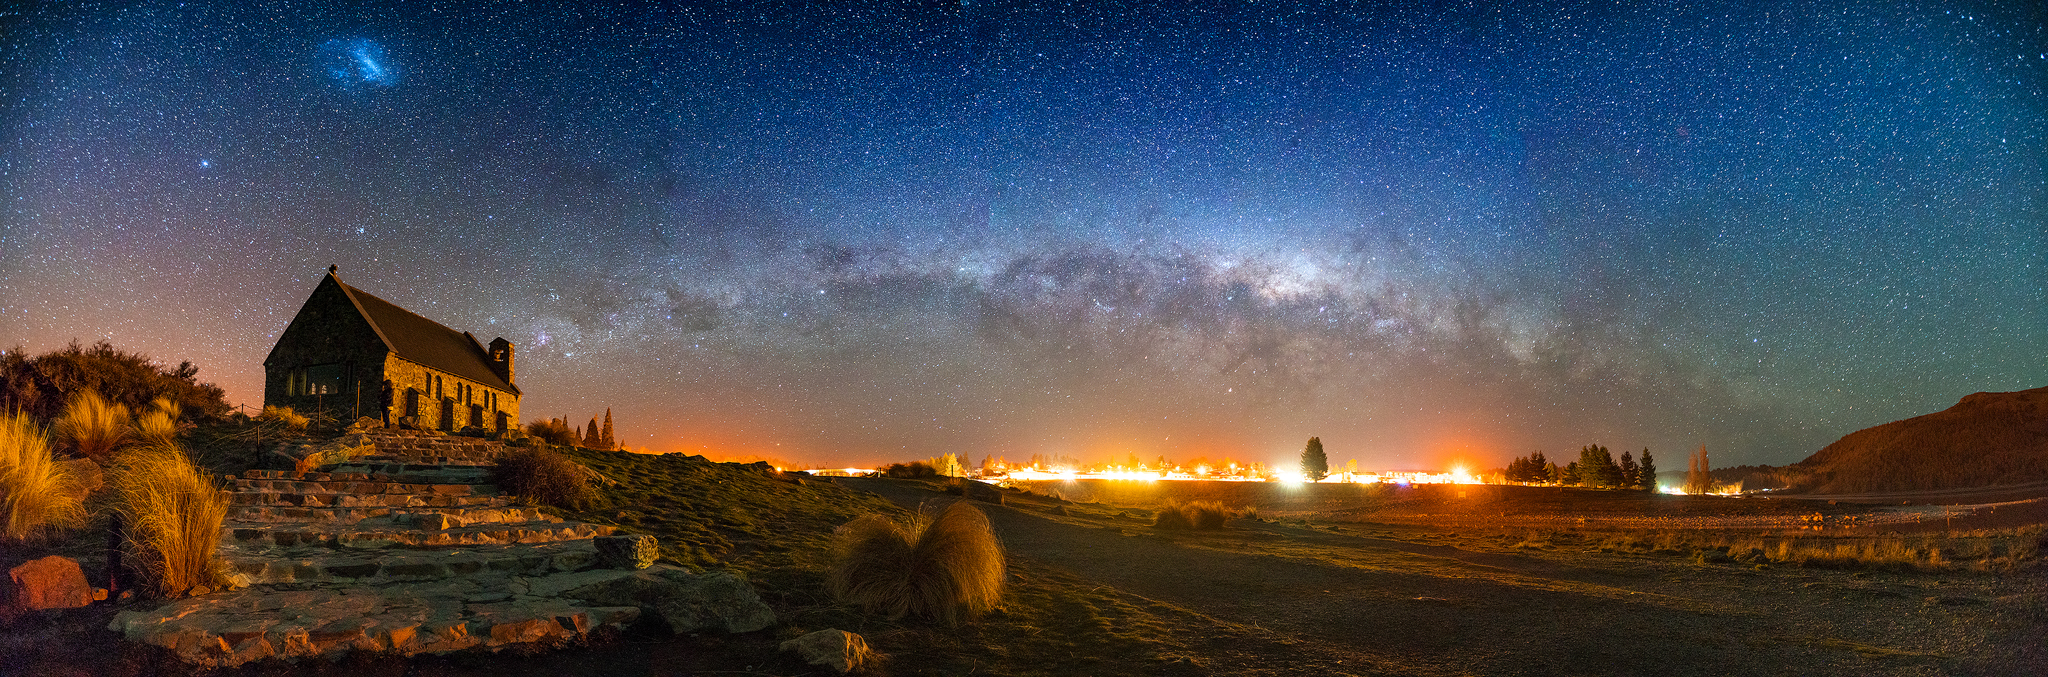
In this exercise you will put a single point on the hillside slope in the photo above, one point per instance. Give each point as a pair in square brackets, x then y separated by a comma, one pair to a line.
[1987, 439]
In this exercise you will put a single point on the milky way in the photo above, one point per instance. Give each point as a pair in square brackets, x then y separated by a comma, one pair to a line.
[841, 235]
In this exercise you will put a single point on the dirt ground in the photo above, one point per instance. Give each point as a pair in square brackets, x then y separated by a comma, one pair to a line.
[1363, 598]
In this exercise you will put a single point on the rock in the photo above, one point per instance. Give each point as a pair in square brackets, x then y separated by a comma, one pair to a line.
[52, 582]
[689, 602]
[595, 477]
[837, 649]
[364, 423]
[434, 521]
[716, 601]
[306, 457]
[626, 552]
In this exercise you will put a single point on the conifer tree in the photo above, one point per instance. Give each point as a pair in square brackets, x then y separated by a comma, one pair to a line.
[1597, 468]
[1631, 474]
[1314, 464]
[605, 440]
[1648, 472]
[590, 438]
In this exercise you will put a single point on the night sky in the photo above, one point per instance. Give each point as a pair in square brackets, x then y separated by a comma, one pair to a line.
[839, 235]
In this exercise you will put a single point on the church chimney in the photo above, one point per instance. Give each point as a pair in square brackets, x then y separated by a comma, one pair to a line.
[501, 358]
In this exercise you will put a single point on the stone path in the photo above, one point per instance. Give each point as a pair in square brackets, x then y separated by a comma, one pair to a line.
[404, 549]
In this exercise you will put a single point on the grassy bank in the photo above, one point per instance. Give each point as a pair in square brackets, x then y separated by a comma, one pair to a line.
[1983, 550]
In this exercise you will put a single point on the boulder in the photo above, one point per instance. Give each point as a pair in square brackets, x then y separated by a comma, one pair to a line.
[716, 601]
[836, 649]
[626, 552]
[306, 457]
[52, 582]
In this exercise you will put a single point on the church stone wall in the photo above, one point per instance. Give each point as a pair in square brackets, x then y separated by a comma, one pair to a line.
[327, 331]
[440, 391]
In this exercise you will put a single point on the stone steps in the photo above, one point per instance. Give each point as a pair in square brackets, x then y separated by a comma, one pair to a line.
[376, 535]
[408, 548]
[361, 487]
[340, 500]
[235, 628]
[414, 470]
[300, 565]
[499, 513]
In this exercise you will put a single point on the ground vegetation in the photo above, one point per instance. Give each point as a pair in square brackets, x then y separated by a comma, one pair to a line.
[942, 563]
[543, 474]
[39, 494]
[170, 515]
[44, 385]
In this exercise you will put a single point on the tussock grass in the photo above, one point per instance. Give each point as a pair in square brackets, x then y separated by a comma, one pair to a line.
[93, 427]
[158, 427]
[171, 514]
[543, 475]
[38, 494]
[944, 564]
[284, 417]
[1202, 515]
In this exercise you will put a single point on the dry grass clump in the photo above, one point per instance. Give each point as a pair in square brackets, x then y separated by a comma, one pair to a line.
[543, 475]
[92, 426]
[944, 564]
[159, 427]
[1202, 515]
[37, 493]
[171, 515]
[285, 417]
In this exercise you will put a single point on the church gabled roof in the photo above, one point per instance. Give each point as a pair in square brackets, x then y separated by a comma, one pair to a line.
[425, 341]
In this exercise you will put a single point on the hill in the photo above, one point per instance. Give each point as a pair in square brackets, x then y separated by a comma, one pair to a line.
[1987, 439]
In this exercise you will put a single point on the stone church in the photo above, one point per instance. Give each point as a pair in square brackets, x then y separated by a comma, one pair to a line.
[350, 354]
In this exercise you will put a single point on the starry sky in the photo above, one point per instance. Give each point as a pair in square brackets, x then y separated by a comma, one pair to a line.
[852, 233]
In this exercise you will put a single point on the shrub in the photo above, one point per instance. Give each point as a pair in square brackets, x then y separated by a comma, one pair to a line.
[944, 564]
[93, 427]
[43, 385]
[171, 514]
[552, 431]
[910, 471]
[1205, 515]
[543, 475]
[38, 494]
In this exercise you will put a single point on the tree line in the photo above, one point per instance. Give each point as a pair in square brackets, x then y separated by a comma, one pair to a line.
[1595, 468]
